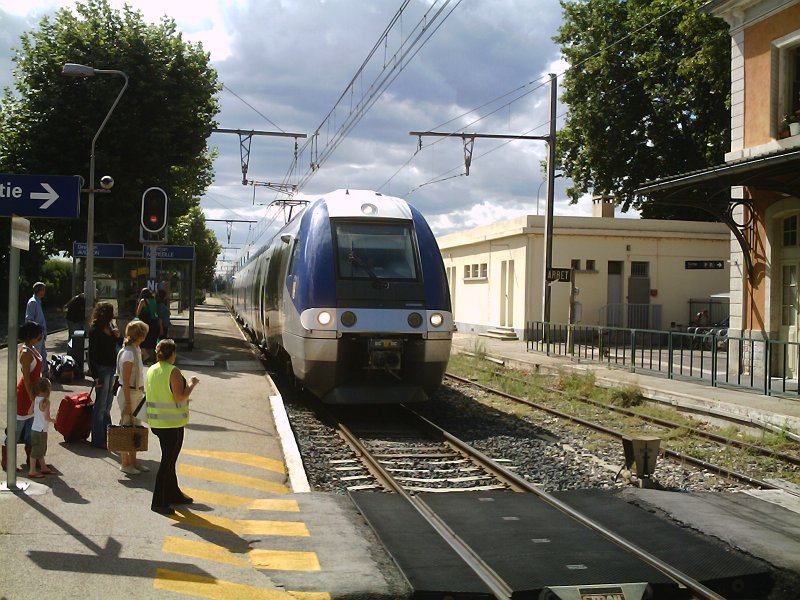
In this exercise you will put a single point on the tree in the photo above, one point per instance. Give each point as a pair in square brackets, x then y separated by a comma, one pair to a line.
[156, 135]
[648, 94]
[191, 229]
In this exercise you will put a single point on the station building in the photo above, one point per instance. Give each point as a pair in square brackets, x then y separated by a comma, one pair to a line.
[639, 273]
[756, 191]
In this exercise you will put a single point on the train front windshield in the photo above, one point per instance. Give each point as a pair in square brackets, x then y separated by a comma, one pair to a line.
[375, 251]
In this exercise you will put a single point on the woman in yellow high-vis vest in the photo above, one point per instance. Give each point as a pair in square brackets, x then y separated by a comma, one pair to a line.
[167, 414]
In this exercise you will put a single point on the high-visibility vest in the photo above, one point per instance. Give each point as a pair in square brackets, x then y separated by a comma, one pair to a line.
[162, 410]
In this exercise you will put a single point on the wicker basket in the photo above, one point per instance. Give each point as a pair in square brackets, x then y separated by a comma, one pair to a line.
[127, 438]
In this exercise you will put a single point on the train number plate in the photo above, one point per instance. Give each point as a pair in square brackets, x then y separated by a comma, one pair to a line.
[384, 344]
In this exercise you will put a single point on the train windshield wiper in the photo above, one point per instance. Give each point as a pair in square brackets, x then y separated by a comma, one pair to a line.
[353, 258]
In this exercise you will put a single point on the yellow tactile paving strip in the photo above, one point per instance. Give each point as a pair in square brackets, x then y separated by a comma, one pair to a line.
[208, 587]
[221, 476]
[263, 559]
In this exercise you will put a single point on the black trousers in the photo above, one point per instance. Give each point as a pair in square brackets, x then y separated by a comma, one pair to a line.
[167, 491]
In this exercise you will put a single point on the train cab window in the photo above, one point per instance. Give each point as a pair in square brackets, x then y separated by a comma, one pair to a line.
[375, 251]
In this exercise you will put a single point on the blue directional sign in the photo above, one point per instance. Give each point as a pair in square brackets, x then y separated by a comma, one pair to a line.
[43, 196]
[100, 250]
[170, 252]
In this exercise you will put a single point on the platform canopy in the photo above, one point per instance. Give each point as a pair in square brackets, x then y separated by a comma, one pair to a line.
[709, 189]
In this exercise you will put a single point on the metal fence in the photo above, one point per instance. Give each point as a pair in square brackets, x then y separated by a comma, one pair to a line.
[766, 366]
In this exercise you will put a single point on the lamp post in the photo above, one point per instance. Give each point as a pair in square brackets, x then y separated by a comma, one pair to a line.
[539, 191]
[76, 70]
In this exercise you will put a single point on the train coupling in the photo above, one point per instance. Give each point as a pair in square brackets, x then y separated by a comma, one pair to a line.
[385, 354]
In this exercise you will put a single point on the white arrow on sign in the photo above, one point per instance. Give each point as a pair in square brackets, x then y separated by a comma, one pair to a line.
[50, 195]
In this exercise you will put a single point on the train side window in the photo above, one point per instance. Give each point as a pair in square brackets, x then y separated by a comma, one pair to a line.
[295, 252]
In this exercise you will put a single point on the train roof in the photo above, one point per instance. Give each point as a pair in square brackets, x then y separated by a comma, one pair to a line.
[364, 203]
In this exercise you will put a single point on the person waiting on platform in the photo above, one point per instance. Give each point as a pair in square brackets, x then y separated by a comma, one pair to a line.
[167, 398]
[103, 340]
[41, 424]
[130, 373]
[34, 311]
[30, 364]
[147, 311]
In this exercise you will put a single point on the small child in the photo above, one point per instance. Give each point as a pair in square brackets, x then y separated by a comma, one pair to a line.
[41, 418]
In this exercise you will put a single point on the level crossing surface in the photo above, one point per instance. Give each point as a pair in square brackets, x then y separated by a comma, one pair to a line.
[88, 531]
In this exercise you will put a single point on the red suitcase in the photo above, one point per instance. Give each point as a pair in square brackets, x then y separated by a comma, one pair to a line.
[74, 418]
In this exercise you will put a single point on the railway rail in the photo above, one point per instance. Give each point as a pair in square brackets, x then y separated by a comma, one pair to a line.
[674, 455]
[381, 461]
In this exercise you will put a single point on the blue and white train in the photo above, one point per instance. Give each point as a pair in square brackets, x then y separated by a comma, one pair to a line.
[352, 295]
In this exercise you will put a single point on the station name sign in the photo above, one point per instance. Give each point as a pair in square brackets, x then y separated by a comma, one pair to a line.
[170, 252]
[100, 250]
[559, 274]
[705, 264]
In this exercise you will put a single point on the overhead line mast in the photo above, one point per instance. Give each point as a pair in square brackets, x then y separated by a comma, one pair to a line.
[550, 138]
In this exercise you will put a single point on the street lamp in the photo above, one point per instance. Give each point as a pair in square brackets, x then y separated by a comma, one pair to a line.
[76, 70]
[540, 190]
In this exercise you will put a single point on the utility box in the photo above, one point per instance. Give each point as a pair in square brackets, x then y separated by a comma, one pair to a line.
[642, 452]
[76, 348]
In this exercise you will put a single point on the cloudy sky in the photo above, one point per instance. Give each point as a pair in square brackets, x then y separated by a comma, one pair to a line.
[285, 64]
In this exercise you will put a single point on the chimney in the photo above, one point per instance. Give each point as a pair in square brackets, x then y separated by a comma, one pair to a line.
[603, 206]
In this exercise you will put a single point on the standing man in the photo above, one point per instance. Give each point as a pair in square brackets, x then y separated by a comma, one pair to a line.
[35, 312]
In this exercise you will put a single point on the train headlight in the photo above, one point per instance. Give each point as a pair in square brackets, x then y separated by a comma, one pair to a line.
[415, 319]
[436, 319]
[324, 317]
[348, 318]
[369, 209]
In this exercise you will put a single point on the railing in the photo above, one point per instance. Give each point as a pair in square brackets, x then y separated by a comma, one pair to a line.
[767, 366]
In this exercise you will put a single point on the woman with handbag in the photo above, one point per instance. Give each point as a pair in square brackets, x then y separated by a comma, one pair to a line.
[103, 339]
[130, 374]
[168, 414]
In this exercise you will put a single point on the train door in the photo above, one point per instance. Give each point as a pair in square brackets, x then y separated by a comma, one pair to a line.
[614, 297]
[790, 313]
[507, 293]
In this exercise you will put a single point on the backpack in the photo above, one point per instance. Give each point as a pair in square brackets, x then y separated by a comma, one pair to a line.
[63, 367]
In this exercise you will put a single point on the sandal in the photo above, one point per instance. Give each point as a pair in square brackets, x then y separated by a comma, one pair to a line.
[35, 476]
[48, 472]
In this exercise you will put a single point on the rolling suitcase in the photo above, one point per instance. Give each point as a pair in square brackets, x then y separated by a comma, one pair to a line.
[74, 418]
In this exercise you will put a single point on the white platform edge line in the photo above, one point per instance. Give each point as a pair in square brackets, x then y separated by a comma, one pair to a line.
[291, 453]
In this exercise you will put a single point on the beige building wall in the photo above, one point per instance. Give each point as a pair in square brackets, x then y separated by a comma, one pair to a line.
[511, 296]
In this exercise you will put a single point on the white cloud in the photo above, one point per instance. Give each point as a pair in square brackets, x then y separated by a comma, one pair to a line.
[291, 59]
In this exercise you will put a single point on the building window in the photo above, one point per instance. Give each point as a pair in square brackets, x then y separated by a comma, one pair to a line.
[640, 269]
[576, 264]
[789, 316]
[786, 80]
[477, 271]
[590, 265]
[790, 232]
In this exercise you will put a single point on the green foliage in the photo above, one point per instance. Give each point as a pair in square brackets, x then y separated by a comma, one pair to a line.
[156, 135]
[57, 274]
[191, 229]
[627, 396]
[648, 96]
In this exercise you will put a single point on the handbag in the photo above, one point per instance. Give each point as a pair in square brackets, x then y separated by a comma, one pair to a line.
[127, 438]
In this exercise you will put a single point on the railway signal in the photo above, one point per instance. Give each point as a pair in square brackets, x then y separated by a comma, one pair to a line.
[154, 215]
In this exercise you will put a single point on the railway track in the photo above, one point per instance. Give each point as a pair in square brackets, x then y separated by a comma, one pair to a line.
[413, 455]
[676, 456]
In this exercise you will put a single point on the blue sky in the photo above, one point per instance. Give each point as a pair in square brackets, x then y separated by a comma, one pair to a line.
[285, 63]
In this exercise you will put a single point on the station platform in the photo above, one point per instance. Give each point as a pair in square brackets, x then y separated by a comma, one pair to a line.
[88, 531]
[255, 531]
[747, 407]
